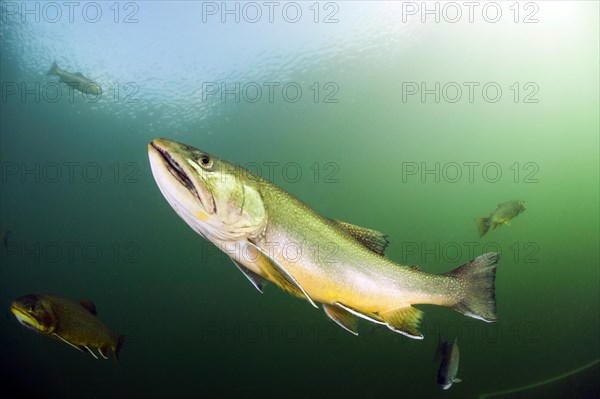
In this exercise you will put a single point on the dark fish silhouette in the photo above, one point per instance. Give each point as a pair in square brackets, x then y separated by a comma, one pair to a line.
[449, 355]
[74, 323]
[76, 80]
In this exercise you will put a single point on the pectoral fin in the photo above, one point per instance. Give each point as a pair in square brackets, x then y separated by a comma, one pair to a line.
[257, 281]
[372, 239]
[82, 348]
[280, 276]
[342, 318]
[370, 317]
[79, 348]
[457, 380]
[405, 321]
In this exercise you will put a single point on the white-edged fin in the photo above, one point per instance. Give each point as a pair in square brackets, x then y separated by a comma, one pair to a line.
[405, 320]
[342, 318]
[90, 351]
[406, 334]
[282, 277]
[361, 315]
[456, 380]
[257, 281]
[102, 354]
[67, 342]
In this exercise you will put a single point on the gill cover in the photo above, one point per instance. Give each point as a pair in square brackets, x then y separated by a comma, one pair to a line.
[215, 198]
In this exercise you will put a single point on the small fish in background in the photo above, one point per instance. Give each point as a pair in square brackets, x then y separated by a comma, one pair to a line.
[503, 214]
[74, 323]
[4, 237]
[449, 365]
[76, 80]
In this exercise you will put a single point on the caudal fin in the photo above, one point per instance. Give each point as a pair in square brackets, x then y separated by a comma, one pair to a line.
[478, 277]
[53, 69]
[483, 225]
[118, 345]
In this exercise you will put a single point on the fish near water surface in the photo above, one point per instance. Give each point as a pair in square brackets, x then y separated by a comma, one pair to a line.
[74, 323]
[253, 221]
[76, 80]
[503, 214]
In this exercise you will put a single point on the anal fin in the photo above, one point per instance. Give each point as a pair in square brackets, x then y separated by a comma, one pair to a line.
[342, 318]
[405, 321]
[257, 281]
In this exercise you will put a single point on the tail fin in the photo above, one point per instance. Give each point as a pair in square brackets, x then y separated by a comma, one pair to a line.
[53, 69]
[118, 345]
[478, 277]
[483, 225]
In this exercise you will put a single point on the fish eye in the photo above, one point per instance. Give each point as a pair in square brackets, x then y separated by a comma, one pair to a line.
[205, 161]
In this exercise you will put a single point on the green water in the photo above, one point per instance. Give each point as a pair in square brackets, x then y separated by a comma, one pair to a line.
[87, 220]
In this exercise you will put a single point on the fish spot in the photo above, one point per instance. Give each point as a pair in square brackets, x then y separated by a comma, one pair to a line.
[201, 215]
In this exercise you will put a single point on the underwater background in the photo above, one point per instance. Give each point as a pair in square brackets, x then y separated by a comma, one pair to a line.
[374, 113]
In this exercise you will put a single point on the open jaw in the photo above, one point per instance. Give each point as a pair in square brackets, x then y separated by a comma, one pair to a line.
[23, 318]
[177, 171]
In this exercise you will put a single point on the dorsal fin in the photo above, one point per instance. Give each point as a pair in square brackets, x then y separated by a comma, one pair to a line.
[372, 239]
[89, 306]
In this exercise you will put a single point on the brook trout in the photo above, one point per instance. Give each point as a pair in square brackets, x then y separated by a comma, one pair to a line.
[74, 323]
[271, 235]
[76, 80]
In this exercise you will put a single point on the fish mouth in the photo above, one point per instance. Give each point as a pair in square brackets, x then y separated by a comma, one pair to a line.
[177, 171]
[24, 318]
